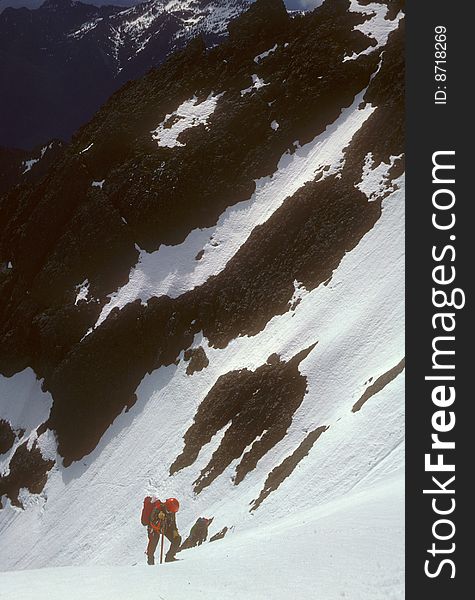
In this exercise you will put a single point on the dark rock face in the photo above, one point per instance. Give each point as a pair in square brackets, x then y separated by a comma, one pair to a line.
[7, 436]
[379, 384]
[198, 534]
[60, 62]
[257, 404]
[62, 231]
[287, 467]
[20, 166]
[11, 161]
[28, 469]
[198, 360]
[219, 535]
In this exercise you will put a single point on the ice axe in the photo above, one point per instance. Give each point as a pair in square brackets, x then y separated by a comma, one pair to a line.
[162, 533]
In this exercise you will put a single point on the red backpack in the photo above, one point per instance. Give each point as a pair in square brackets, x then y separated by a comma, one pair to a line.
[147, 510]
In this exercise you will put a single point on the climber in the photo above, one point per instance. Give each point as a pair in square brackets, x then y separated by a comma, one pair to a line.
[198, 533]
[159, 518]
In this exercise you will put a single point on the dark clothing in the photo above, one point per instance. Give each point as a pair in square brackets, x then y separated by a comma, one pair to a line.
[170, 531]
[154, 537]
[169, 522]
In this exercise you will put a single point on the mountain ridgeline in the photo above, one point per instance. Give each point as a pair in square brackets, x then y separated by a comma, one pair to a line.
[277, 82]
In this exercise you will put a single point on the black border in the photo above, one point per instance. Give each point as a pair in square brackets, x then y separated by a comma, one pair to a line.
[430, 128]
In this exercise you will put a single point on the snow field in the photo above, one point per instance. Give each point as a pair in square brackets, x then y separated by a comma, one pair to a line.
[255, 566]
[358, 451]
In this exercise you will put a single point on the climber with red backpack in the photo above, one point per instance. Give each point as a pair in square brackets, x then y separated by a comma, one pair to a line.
[160, 519]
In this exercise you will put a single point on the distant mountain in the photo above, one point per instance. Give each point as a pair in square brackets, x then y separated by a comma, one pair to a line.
[60, 62]
[31, 4]
[291, 4]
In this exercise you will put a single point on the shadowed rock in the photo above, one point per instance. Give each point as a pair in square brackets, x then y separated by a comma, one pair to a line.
[7, 436]
[379, 384]
[28, 469]
[287, 467]
[259, 405]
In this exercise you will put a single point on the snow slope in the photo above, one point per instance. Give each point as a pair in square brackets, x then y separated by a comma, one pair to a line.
[245, 566]
[358, 459]
[334, 527]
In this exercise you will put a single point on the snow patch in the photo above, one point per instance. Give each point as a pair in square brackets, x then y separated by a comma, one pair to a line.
[275, 126]
[257, 84]
[299, 293]
[375, 181]
[190, 113]
[265, 54]
[28, 164]
[377, 27]
[48, 445]
[25, 407]
[87, 148]
[82, 291]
